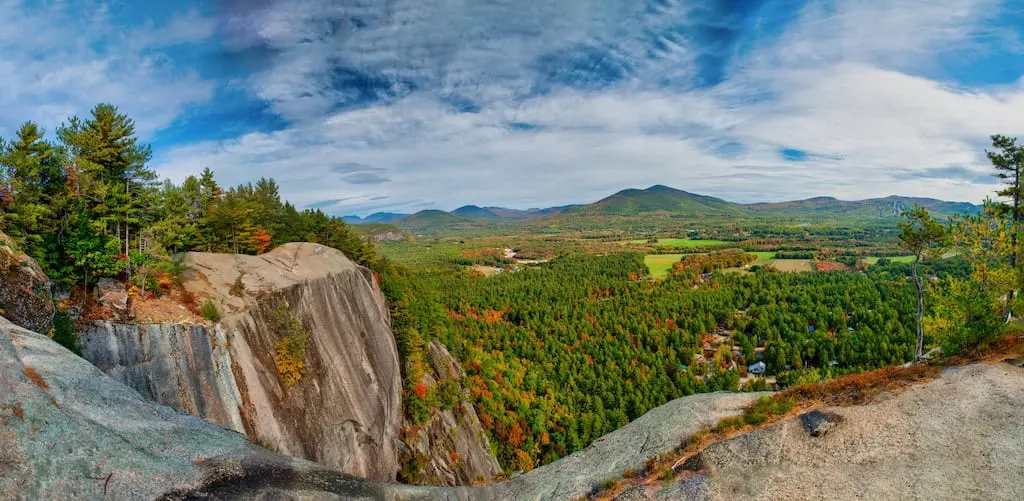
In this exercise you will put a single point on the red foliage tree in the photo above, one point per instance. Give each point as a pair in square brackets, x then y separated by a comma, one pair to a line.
[262, 240]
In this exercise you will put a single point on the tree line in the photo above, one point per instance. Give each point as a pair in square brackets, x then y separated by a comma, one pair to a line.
[86, 205]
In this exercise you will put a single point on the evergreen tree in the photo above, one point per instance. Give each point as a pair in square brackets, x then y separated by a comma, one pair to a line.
[920, 235]
[1007, 159]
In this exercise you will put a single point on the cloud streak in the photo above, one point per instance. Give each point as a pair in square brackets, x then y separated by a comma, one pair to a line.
[405, 104]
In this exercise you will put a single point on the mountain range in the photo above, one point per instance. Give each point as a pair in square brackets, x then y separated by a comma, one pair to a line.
[664, 200]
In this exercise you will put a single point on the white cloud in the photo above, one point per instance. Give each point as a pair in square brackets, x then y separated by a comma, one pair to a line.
[846, 83]
[64, 59]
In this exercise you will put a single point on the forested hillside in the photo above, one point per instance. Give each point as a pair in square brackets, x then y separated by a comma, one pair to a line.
[562, 354]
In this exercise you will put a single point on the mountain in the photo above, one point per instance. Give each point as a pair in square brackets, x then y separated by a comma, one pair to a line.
[888, 207]
[431, 220]
[663, 200]
[473, 211]
[659, 199]
[376, 217]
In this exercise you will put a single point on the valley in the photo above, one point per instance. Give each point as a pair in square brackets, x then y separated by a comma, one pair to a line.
[487, 250]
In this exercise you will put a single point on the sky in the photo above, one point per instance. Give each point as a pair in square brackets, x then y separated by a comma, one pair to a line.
[359, 106]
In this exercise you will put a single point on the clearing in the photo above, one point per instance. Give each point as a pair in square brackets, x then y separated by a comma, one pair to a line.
[681, 242]
[792, 265]
[660, 264]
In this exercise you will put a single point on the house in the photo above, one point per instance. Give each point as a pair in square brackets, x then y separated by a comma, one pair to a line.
[757, 368]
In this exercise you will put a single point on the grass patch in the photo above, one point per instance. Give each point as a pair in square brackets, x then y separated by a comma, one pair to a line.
[660, 264]
[681, 242]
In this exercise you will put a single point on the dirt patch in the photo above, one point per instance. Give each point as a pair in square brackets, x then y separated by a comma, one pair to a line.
[792, 265]
[487, 271]
[165, 309]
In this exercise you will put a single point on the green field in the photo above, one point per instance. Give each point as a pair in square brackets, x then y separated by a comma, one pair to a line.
[763, 258]
[682, 242]
[895, 259]
[660, 264]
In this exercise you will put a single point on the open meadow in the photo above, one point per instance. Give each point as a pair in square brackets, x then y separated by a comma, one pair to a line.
[660, 264]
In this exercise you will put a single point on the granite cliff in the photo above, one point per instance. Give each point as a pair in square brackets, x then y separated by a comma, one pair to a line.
[336, 400]
[342, 408]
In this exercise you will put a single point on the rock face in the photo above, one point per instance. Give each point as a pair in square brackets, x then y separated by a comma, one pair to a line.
[344, 413]
[68, 432]
[187, 367]
[453, 444]
[958, 437]
[24, 289]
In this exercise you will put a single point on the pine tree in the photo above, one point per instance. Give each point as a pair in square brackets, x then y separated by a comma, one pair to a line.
[1007, 159]
[920, 235]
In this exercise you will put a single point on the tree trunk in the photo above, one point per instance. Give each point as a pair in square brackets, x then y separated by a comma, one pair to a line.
[920, 310]
[1013, 240]
[127, 240]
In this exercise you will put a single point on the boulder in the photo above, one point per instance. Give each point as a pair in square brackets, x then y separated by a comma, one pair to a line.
[112, 295]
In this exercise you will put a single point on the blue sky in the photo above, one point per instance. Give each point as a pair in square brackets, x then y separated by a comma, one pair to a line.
[356, 106]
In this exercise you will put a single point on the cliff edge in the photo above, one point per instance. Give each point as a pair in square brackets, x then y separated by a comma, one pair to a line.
[302, 360]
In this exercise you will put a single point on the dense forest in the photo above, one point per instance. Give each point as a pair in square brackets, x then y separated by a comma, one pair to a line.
[562, 354]
[87, 206]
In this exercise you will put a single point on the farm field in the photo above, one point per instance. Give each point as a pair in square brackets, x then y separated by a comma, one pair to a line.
[660, 264]
[792, 265]
[896, 259]
[681, 242]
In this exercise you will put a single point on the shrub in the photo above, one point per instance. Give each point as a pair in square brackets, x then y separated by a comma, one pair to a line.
[209, 311]
[238, 288]
[290, 353]
[64, 332]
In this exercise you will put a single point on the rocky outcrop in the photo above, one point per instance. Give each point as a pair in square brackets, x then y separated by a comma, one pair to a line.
[68, 432]
[24, 289]
[957, 437]
[662, 429]
[452, 443]
[344, 412]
